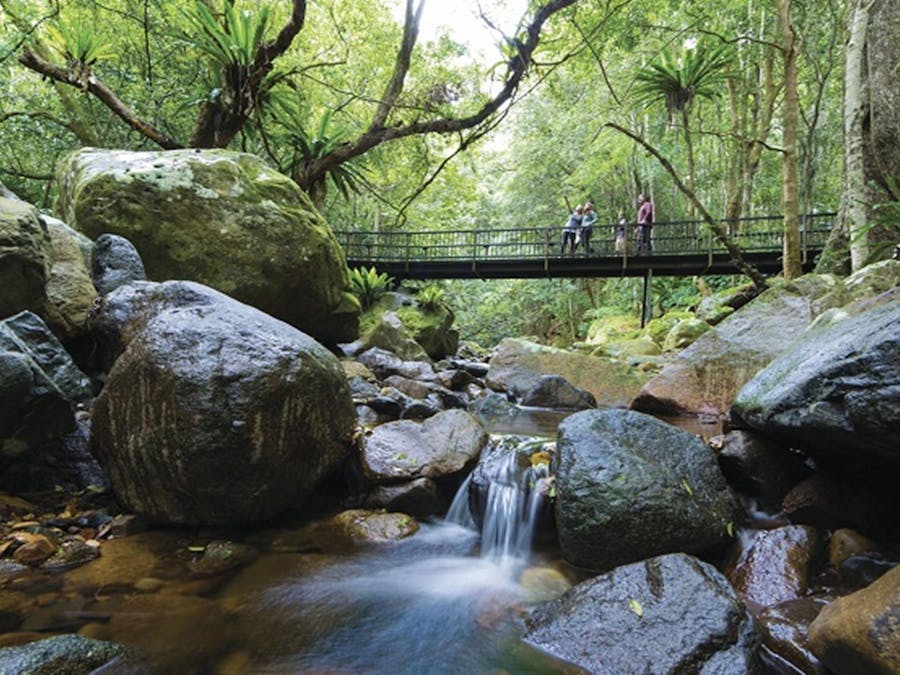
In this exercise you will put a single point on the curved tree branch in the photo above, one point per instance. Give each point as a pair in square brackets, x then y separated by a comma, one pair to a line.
[401, 65]
[717, 230]
[516, 69]
[32, 61]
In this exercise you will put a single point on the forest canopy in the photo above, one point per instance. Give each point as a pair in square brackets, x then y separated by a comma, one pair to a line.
[389, 129]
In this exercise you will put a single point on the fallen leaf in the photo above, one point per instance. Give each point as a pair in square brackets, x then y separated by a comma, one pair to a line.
[635, 607]
[729, 528]
[687, 487]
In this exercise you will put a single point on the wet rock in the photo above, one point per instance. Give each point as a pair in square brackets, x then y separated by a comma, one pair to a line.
[517, 366]
[369, 418]
[24, 266]
[858, 634]
[384, 364]
[758, 467]
[419, 410]
[629, 486]
[39, 385]
[371, 527]
[845, 542]
[776, 566]
[867, 502]
[221, 218]
[474, 368]
[354, 369]
[222, 556]
[33, 549]
[456, 379]
[59, 655]
[249, 424]
[443, 445]
[785, 631]
[622, 621]
[362, 389]
[709, 373]
[835, 390]
[554, 391]
[409, 387]
[859, 571]
[115, 262]
[123, 562]
[419, 498]
[71, 553]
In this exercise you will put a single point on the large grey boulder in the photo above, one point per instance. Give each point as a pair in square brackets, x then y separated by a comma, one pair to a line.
[668, 615]
[221, 218]
[837, 389]
[215, 413]
[39, 385]
[518, 365]
[59, 655]
[443, 445]
[705, 377]
[629, 486]
[24, 258]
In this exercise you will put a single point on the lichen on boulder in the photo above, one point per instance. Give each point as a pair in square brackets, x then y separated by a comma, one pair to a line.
[221, 218]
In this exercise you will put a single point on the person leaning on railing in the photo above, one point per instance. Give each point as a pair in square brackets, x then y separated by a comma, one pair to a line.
[587, 227]
[644, 224]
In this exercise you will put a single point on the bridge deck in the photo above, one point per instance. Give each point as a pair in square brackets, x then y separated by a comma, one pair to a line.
[683, 248]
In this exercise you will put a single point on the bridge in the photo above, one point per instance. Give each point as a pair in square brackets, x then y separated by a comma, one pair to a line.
[680, 248]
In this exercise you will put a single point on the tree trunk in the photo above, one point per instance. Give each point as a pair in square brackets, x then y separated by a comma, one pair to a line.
[856, 198]
[792, 265]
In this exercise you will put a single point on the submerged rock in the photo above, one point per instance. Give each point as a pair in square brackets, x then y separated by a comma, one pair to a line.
[555, 391]
[630, 486]
[667, 615]
[221, 218]
[215, 413]
[785, 630]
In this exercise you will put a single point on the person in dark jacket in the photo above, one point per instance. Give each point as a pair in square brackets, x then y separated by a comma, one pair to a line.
[570, 231]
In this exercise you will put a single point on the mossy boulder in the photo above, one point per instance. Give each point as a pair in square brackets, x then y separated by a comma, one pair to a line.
[684, 334]
[222, 218]
[24, 258]
[610, 328]
[70, 292]
[716, 307]
[642, 346]
[430, 327]
[517, 366]
[657, 329]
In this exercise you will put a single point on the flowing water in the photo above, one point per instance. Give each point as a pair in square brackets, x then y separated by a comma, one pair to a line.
[448, 600]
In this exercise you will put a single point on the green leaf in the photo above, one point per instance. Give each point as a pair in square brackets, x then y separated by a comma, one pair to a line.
[687, 487]
[635, 607]
[729, 528]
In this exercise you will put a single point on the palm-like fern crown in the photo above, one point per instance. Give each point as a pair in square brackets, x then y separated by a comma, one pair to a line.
[680, 79]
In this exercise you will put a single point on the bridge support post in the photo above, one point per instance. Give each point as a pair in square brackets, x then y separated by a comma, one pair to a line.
[647, 301]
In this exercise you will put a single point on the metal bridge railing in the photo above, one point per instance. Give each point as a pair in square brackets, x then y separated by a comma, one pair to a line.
[686, 237]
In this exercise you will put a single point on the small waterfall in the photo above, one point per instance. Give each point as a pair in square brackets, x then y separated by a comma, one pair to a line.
[507, 489]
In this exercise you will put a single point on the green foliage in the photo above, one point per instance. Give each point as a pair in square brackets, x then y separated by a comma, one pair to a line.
[368, 285]
[234, 43]
[77, 41]
[430, 296]
[679, 78]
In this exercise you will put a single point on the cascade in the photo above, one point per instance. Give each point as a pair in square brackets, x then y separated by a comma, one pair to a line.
[503, 496]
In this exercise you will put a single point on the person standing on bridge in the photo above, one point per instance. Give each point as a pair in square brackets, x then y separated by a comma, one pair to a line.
[570, 231]
[619, 233]
[587, 227]
[644, 224]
